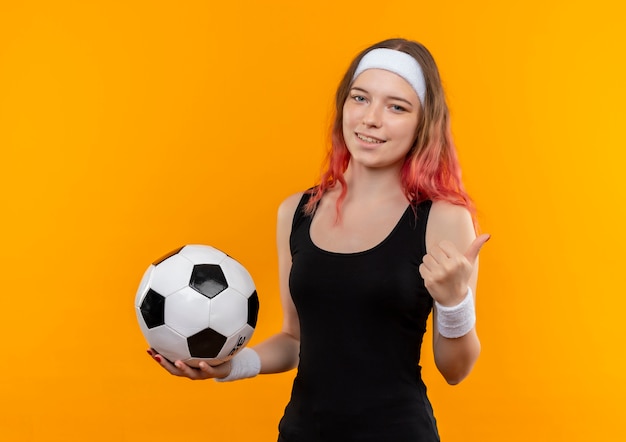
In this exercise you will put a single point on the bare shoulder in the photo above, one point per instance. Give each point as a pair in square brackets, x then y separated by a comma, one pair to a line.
[286, 211]
[288, 207]
[448, 213]
[449, 222]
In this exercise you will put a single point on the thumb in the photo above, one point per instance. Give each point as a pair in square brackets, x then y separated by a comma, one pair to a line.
[472, 251]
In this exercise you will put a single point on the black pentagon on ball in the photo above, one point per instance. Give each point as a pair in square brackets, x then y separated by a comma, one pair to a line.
[205, 344]
[253, 309]
[208, 280]
[153, 309]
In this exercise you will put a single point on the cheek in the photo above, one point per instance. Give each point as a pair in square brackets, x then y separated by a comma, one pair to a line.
[408, 131]
[405, 135]
[352, 115]
[348, 121]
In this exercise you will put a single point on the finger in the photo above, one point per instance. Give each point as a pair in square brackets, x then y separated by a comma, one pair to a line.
[448, 249]
[204, 367]
[167, 365]
[186, 370]
[472, 252]
[429, 262]
[215, 371]
[424, 272]
[442, 252]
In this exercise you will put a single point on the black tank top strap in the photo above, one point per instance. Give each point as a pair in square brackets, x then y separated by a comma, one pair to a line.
[299, 217]
[421, 211]
[300, 213]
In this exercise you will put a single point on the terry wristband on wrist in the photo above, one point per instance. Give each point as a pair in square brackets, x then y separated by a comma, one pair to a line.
[458, 320]
[245, 364]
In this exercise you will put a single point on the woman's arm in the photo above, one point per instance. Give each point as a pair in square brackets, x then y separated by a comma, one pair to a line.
[281, 352]
[449, 269]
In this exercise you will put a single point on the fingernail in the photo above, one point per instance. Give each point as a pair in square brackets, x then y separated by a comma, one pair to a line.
[150, 353]
[158, 359]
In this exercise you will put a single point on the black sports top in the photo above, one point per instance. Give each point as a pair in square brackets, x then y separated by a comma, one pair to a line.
[362, 319]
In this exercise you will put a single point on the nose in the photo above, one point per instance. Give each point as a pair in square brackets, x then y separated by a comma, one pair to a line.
[372, 116]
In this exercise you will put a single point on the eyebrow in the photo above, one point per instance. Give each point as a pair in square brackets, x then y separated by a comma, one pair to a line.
[391, 97]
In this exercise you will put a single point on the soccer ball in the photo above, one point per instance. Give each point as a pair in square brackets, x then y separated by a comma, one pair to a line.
[197, 304]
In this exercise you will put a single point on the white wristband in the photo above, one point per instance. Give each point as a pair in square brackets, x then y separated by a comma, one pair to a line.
[245, 364]
[458, 320]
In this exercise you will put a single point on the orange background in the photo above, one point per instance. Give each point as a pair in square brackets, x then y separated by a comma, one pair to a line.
[130, 128]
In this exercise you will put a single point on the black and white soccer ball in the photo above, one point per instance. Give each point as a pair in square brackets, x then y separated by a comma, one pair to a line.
[197, 304]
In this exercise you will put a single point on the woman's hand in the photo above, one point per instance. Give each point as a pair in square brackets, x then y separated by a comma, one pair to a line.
[204, 370]
[447, 271]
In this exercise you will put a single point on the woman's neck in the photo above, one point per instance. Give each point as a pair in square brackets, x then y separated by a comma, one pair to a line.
[373, 185]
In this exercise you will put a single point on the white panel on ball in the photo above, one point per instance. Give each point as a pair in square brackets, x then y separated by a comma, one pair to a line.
[168, 343]
[238, 277]
[199, 254]
[187, 311]
[144, 285]
[229, 312]
[171, 275]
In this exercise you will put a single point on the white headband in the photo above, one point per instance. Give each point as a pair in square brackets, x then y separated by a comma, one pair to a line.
[399, 63]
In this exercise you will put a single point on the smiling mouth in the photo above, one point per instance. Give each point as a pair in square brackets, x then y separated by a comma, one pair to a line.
[369, 139]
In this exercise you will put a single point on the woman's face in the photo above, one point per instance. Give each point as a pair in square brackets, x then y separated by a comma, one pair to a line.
[380, 117]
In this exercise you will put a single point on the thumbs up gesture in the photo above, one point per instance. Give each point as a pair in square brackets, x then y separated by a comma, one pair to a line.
[447, 271]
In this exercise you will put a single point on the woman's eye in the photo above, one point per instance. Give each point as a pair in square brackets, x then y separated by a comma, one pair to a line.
[359, 98]
[397, 108]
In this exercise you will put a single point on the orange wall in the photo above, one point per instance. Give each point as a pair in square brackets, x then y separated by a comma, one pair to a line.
[129, 128]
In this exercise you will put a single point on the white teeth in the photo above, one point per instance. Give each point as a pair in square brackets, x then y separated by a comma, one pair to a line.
[368, 139]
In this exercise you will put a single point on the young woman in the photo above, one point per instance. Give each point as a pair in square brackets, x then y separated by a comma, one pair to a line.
[387, 236]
